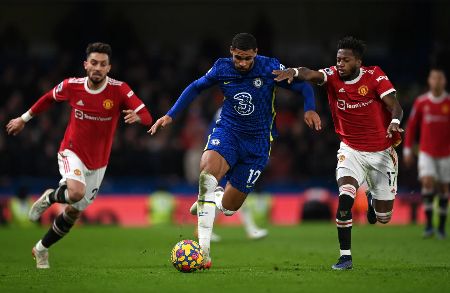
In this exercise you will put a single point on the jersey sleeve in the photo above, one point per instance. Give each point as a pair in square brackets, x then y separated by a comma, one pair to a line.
[61, 91]
[381, 83]
[129, 99]
[195, 89]
[411, 127]
[209, 79]
[329, 76]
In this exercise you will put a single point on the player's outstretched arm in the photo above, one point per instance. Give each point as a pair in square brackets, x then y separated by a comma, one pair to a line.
[302, 73]
[161, 122]
[397, 114]
[16, 125]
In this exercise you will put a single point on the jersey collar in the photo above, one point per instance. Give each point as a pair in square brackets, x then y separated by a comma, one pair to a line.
[353, 81]
[94, 92]
[437, 99]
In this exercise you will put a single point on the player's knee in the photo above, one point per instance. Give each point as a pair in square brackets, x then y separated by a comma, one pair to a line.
[76, 194]
[384, 218]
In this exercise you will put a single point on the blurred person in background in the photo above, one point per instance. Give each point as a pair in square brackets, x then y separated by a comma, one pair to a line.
[239, 147]
[19, 207]
[97, 102]
[365, 109]
[431, 112]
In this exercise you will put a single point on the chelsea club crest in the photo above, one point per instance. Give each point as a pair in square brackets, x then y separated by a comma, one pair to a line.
[257, 82]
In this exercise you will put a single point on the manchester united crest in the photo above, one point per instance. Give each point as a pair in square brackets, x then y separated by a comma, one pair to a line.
[341, 159]
[108, 104]
[363, 90]
[77, 172]
[445, 109]
[257, 82]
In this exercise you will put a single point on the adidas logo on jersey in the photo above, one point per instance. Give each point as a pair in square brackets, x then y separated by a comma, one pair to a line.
[80, 103]
[342, 90]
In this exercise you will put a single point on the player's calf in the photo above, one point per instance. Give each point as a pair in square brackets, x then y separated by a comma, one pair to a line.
[344, 219]
[206, 210]
[427, 201]
[443, 211]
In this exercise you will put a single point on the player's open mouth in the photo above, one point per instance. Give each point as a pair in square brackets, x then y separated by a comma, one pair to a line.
[341, 72]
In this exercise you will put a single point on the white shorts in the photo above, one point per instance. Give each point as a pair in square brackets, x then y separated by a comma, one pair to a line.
[379, 169]
[438, 168]
[71, 167]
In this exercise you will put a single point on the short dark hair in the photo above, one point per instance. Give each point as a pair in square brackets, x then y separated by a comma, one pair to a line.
[99, 48]
[244, 42]
[357, 46]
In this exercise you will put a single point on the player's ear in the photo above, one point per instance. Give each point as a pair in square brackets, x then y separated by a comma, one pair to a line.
[358, 62]
[256, 51]
[231, 50]
[85, 65]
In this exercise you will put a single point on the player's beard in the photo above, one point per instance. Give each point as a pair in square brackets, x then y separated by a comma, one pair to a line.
[351, 74]
[97, 81]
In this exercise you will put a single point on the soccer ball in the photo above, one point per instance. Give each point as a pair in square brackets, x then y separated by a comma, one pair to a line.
[187, 256]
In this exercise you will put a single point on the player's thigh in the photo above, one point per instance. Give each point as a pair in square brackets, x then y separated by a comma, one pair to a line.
[215, 163]
[349, 165]
[221, 153]
[94, 179]
[427, 166]
[443, 170]
[381, 174]
[71, 167]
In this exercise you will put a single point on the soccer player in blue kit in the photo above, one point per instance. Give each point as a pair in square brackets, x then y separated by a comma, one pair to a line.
[239, 146]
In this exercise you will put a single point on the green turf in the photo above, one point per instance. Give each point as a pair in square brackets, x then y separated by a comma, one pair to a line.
[291, 259]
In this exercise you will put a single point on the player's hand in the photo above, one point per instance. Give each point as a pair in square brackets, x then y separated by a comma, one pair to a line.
[163, 121]
[313, 120]
[393, 127]
[408, 159]
[131, 116]
[284, 74]
[15, 126]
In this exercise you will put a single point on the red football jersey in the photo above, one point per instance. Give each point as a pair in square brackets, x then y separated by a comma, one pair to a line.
[433, 116]
[94, 116]
[360, 116]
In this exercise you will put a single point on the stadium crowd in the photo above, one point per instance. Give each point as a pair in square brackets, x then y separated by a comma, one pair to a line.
[158, 73]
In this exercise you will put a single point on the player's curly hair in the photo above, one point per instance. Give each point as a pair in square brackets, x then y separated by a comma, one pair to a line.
[244, 42]
[99, 48]
[357, 46]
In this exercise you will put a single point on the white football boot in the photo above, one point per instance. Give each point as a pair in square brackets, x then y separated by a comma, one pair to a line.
[40, 206]
[257, 234]
[41, 258]
[206, 263]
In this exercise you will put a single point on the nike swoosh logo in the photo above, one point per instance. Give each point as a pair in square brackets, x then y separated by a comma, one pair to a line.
[226, 82]
[249, 186]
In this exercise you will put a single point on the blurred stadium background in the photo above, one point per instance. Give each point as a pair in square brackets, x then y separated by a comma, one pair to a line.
[159, 48]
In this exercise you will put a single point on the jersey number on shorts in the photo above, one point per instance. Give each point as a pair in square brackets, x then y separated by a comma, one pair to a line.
[94, 191]
[253, 173]
[391, 179]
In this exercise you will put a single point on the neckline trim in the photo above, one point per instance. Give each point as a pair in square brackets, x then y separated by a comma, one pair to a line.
[353, 81]
[94, 92]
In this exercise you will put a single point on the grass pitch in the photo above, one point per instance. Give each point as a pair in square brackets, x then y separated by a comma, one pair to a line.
[291, 259]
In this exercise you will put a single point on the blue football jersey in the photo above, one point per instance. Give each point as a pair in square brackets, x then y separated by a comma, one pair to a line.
[249, 100]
